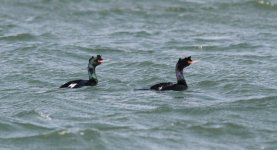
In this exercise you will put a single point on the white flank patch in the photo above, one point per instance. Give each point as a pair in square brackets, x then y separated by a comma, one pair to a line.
[160, 88]
[72, 85]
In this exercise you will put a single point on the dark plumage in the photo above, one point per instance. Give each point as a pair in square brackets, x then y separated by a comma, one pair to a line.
[181, 82]
[93, 63]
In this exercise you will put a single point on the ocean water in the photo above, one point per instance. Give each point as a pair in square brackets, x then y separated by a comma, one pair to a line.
[231, 102]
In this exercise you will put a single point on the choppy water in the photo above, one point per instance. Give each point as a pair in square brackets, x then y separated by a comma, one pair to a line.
[231, 102]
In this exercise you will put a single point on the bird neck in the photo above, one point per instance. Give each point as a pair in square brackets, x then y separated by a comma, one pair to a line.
[180, 76]
[91, 73]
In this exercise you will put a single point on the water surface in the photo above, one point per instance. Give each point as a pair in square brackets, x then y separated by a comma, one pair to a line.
[230, 103]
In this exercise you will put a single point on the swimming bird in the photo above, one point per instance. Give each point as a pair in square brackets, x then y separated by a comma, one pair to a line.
[181, 82]
[92, 64]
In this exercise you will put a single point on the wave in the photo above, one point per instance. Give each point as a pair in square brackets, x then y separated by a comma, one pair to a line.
[132, 33]
[221, 5]
[256, 101]
[220, 129]
[97, 49]
[18, 37]
[13, 128]
[58, 139]
[266, 4]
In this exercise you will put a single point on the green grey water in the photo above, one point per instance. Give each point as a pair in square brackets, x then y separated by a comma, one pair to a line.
[230, 103]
